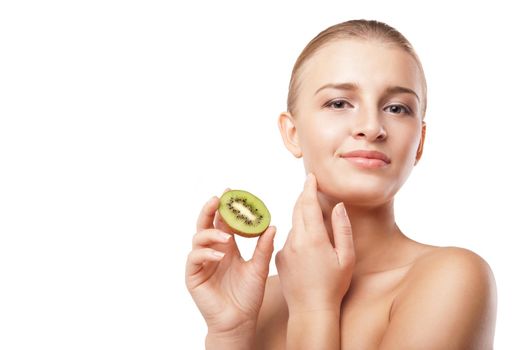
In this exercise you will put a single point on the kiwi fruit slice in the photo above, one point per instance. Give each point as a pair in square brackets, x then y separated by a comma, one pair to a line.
[244, 213]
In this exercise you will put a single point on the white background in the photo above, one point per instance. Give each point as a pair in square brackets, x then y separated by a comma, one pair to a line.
[119, 119]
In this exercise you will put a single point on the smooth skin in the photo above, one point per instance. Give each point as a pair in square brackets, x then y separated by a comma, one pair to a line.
[315, 272]
[347, 279]
[227, 290]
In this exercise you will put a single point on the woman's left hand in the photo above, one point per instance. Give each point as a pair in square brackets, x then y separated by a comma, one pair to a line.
[314, 274]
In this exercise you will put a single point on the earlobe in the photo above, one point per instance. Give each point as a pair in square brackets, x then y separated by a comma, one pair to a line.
[421, 143]
[288, 131]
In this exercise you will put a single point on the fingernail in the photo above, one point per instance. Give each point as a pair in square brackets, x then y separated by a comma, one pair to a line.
[218, 254]
[224, 236]
[341, 210]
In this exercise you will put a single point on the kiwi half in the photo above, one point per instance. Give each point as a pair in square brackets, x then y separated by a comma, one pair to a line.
[244, 213]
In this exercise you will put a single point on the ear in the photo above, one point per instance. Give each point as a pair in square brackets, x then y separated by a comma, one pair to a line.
[421, 143]
[289, 134]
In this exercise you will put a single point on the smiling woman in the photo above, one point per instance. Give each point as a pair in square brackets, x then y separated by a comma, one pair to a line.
[376, 87]
[348, 277]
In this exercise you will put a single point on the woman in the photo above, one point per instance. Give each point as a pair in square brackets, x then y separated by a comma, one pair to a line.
[348, 278]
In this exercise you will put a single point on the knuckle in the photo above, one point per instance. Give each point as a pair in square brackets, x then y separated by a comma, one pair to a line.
[201, 237]
[190, 256]
[348, 260]
[345, 230]
[199, 234]
[195, 238]
[290, 247]
[295, 246]
[318, 239]
[348, 232]
[279, 258]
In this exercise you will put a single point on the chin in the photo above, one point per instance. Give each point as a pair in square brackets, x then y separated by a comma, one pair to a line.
[365, 192]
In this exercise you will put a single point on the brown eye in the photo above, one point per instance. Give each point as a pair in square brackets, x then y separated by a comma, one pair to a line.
[338, 104]
[397, 108]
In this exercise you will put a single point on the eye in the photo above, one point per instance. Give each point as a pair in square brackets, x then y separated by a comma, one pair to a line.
[398, 108]
[337, 104]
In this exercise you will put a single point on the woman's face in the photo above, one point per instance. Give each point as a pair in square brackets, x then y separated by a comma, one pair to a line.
[367, 111]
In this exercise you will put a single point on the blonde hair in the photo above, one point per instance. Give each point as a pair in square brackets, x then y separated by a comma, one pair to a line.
[358, 29]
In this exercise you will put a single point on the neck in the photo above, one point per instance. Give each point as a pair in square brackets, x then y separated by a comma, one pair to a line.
[374, 230]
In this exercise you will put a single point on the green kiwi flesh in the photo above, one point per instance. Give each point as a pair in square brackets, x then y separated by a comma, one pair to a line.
[244, 213]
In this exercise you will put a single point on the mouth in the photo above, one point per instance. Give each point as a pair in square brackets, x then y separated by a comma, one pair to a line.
[367, 159]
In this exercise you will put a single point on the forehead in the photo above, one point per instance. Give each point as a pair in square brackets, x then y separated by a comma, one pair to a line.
[370, 64]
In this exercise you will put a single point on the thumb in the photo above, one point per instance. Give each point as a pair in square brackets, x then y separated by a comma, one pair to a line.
[264, 249]
[343, 238]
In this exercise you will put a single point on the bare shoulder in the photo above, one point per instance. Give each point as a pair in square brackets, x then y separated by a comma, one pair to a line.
[447, 299]
[452, 265]
[450, 275]
[272, 316]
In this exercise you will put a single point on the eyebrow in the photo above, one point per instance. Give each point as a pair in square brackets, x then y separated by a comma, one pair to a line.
[354, 87]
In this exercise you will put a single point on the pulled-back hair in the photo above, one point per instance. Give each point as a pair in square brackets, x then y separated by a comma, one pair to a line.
[354, 29]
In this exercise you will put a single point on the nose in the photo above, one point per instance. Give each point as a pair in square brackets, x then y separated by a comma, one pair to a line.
[368, 126]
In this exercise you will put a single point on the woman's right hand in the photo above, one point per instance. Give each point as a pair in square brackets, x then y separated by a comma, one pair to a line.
[227, 289]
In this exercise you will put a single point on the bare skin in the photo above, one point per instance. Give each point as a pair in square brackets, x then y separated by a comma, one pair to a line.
[395, 309]
[348, 278]
[410, 296]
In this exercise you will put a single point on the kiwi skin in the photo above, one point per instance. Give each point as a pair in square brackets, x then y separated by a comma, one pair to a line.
[235, 223]
[237, 232]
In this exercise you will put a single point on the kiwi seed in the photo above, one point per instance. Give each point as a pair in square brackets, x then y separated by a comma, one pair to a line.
[244, 213]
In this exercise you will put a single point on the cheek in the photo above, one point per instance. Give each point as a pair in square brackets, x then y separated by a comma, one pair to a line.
[406, 145]
[410, 143]
[321, 138]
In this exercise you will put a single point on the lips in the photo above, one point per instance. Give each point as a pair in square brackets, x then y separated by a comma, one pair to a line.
[367, 154]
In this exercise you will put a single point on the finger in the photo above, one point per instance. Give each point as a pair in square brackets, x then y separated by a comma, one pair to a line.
[295, 233]
[222, 226]
[297, 216]
[205, 220]
[311, 210]
[208, 237]
[219, 223]
[197, 257]
[264, 249]
[343, 237]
